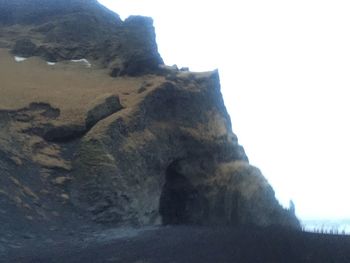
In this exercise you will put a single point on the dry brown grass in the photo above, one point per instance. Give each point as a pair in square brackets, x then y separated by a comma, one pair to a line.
[71, 87]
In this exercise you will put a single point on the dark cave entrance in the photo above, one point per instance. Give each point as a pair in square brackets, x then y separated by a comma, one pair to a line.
[177, 198]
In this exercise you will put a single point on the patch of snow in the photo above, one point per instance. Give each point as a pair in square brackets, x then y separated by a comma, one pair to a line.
[51, 63]
[83, 60]
[20, 59]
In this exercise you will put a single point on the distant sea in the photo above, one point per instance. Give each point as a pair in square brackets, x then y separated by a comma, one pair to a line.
[337, 226]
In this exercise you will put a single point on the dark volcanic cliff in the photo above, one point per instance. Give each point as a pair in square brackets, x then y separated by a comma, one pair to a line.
[127, 141]
[72, 29]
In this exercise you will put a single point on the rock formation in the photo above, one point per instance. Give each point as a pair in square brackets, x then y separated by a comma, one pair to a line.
[73, 29]
[125, 140]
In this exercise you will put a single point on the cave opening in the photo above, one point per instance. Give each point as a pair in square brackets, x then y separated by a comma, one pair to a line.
[177, 197]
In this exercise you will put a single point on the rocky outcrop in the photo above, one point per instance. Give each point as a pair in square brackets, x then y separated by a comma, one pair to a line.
[101, 108]
[152, 145]
[75, 29]
[175, 160]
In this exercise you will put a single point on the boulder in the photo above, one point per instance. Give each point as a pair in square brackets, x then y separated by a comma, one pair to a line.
[101, 108]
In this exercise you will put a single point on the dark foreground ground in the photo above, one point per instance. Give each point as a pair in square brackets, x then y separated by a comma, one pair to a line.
[187, 244]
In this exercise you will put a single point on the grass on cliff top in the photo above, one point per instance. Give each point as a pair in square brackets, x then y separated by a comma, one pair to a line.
[71, 87]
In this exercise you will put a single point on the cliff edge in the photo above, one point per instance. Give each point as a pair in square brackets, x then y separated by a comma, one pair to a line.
[95, 128]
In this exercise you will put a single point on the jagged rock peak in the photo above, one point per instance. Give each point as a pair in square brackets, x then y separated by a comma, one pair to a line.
[76, 29]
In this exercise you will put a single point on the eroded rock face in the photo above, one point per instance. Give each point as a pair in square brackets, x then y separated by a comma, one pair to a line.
[76, 29]
[174, 160]
[153, 145]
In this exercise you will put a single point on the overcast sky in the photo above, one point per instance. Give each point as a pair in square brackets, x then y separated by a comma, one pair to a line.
[285, 76]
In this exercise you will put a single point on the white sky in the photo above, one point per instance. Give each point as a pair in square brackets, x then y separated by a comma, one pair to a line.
[285, 76]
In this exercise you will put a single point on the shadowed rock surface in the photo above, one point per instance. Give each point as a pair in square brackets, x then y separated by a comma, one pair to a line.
[103, 148]
[76, 29]
[126, 141]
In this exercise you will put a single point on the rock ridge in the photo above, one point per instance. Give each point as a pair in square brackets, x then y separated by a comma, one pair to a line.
[74, 29]
[127, 141]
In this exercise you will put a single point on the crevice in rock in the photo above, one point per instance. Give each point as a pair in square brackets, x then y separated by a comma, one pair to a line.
[59, 134]
[103, 107]
[64, 133]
